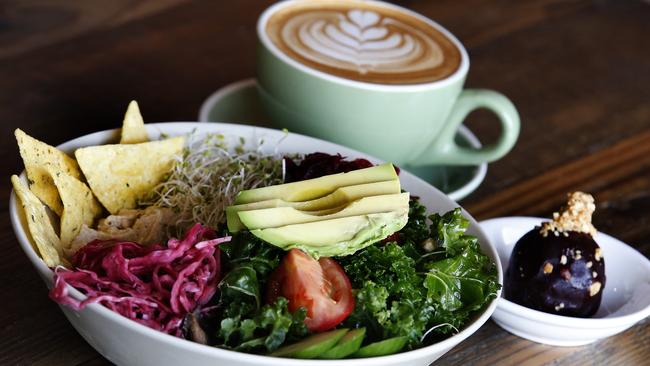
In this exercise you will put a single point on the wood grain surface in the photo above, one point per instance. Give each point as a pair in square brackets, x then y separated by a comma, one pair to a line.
[578, 71]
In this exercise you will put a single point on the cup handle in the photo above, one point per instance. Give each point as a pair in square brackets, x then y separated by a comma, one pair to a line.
[444, 149]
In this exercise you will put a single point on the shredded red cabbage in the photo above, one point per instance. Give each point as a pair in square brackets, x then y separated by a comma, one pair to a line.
[152, 285]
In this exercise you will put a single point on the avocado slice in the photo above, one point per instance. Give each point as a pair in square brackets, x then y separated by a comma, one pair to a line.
[335, 237]
[339, 197]
[347, 345]
[312, 346]
[281, 216]
[318, 187]
[381, 348]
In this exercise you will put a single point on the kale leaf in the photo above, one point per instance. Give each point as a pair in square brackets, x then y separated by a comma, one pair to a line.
[246, 325]
[386, 265]
[448, 231]
[248, 261]
[403, 290]
[265, 331]
[461, 281]
[416, 229]
[389, 295]
[240, 282]
[247, 248]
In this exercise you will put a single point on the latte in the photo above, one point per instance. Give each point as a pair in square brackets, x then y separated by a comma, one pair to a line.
[363, 41]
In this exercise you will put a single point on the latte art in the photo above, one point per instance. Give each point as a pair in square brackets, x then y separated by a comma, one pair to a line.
[361, 41]
[364, 42]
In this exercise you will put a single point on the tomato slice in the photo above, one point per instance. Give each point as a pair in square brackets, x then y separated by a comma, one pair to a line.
[319, 286]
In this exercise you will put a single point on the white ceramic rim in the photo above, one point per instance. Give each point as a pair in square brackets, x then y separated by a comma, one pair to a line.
[566, 321]
[398, 358]
[460, 72]
[456, 195]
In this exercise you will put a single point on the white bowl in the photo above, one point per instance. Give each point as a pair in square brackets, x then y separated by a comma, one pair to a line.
[125, 342]
[625, 301]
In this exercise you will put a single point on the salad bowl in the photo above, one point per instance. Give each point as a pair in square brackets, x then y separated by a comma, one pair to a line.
[126, 342]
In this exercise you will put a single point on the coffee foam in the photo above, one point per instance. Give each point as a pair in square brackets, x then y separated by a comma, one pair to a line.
[363, 42]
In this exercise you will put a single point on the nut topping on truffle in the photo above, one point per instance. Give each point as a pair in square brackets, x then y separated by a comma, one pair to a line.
[576, 216]
[548, 268]
[594, 288]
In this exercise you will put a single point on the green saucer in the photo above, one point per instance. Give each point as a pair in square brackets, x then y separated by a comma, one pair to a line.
[239, 103]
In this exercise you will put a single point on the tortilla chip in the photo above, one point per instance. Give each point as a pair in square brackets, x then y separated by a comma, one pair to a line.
[40, 227]
[79, 205]
[36, 156]
[119, 175]
[133, 131]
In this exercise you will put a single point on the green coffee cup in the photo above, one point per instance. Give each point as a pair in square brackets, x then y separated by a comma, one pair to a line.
[408, 124]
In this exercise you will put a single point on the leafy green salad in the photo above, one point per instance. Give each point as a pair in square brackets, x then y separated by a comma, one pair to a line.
[303, 256]
[422, 285]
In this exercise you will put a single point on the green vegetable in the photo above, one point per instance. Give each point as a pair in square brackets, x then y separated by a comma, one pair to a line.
[313, 346]
[341, 236]
[245, 325]
[460, 281]
[386, 265]
[416, 229]
[449, 229]
[389, 300]
[347, 345]
[245, 248]
[401, 290]
[265, 331]
[248, 262]
[241, 281]
[381, 348]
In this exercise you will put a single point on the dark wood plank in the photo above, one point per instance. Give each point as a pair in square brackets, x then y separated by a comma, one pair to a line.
[491, 345]
[578, 84]
[478, 22]
[547, 191]
[27, 25]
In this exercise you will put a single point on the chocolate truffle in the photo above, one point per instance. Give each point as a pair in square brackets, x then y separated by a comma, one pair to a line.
[557, 267]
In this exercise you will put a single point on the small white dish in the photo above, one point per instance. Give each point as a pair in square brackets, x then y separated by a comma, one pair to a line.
[239, 103]
[125, 342]
[626, 297]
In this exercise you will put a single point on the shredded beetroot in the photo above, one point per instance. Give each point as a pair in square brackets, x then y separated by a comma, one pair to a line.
[392, 237]
[153, 285]
[318, 164]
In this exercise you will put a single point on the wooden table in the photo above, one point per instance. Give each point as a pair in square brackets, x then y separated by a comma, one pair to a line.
[578, 71]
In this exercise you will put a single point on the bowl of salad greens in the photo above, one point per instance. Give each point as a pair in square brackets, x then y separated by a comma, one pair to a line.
[265, 247]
